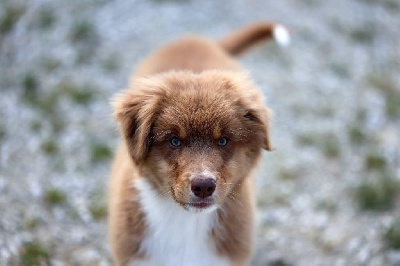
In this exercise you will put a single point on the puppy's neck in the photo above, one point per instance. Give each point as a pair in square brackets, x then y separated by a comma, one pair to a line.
[174, 230]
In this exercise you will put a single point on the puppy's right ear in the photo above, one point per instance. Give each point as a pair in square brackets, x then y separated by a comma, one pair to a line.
[135, 112]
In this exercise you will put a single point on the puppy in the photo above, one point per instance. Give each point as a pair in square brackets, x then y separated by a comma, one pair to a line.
[193, 126]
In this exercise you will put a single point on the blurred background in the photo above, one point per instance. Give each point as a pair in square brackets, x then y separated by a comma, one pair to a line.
[328, 194]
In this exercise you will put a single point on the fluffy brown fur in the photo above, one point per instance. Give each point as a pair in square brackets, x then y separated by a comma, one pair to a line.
[193, 90]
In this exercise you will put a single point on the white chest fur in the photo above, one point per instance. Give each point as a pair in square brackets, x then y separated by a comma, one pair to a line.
[175, 236]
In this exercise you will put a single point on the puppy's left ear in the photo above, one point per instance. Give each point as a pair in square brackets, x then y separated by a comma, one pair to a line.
[260, 120]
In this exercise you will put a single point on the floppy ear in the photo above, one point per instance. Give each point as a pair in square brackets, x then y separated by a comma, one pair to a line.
[260, 119]
[135, 114]
[251, 105]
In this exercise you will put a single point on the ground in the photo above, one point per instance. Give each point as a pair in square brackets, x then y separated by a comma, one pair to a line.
[328, 193]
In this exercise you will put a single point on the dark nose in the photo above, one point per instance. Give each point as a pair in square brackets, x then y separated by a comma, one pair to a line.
[203, 188]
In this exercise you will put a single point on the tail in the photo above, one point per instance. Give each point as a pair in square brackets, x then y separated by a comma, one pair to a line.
[247, 37]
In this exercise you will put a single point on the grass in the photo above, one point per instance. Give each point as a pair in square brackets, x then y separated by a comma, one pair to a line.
[84, 35]
[110, 65]
[357, 134]
[30, 87]
[340, 69]
[3, 131]
[34, 253]
[49, 64]
[392, 235]
[392, 5]
[100, 152]
[306, 139]
[48, 102]
[36, 126]
[379, 195]
[327, 143]
[386, 84]
[98, 211]
[82, 95]
[49, 147]
[98, 205]
[327, 205]
[381, 80]
[287, 174]
[45, 19]
[82, 32]
[392, 106]
[363, 34]
[58, 123]
[10, 17]
[54, 197]
[375, 162]
[30, 223]
[331, 146]
[79, 94]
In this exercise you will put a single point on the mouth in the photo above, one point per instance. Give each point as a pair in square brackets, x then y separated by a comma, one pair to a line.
[200, 205]
[203, 207]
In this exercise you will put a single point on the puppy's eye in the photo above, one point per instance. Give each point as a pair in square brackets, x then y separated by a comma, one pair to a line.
[222, 141]
[175, 142]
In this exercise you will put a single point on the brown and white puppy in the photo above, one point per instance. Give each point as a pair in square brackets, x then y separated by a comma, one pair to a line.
[193, 127]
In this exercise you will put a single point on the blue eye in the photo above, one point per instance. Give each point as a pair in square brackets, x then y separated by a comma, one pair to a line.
[222, 141]
[175, 142]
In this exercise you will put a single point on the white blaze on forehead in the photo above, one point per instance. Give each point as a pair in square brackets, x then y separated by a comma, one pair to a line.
[207, 174]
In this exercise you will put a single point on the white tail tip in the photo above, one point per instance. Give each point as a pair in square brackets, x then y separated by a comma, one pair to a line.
[281, 35]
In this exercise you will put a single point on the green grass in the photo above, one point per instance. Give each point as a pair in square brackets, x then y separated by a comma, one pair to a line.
[357, 134]
[3, 131]
[110, 65]
[58, 123]
[363, 34]
[48, 102]
[45, 19]
[381, 80]
[287, 174]
[30, 223]
[328, 144]
[379, 195]
[392, 5]
[306, 139]
[98, 205]
[79, 94]
[34, 253]
[331, 146]
[36, 126]
[340, 69]
[82, 95]
[10, 17]
[98, 211]
[392, 235]
[384, 82]
[54, 197]
[327, 205]
[82, 32]
[100, 152]
[392, 106]
[30, 87]
[49, 147]
[375, 161]
[49, 64]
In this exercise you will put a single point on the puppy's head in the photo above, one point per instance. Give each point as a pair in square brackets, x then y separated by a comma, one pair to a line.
[194, 136]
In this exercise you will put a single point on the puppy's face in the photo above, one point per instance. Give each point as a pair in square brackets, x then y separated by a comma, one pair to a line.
[194, 136]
